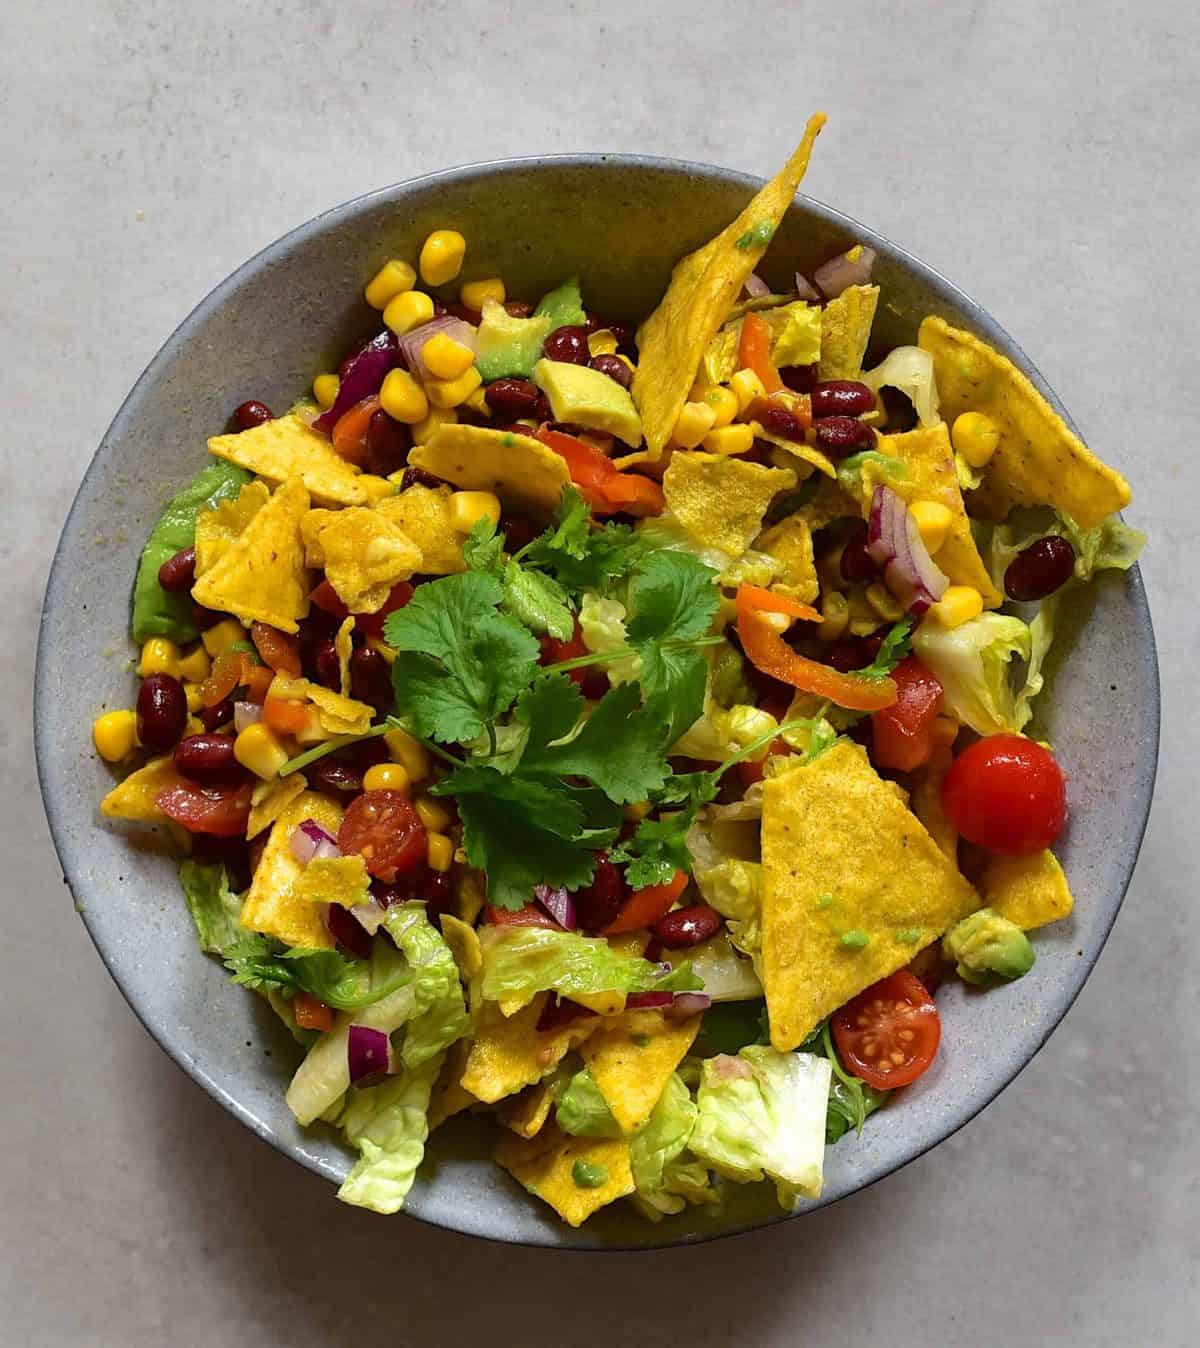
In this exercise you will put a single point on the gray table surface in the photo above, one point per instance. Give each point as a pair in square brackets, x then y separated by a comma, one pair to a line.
[1041, 155]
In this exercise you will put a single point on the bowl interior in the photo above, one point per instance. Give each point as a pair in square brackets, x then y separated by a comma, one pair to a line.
[620, 224]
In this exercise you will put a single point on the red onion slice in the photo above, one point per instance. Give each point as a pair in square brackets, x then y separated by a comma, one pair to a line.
[369, 1055]
[756, 286]
[558, 904]
[310, 840]
[347, 931]
[362, 377]
[805, 289]
[244, 714]
[895, 543]
[647, 1001]
[688, 1004]
[560, 1011]
[841, 272]
[412, 343]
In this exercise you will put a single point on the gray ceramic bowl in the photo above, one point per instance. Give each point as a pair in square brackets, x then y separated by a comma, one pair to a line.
[620, 224]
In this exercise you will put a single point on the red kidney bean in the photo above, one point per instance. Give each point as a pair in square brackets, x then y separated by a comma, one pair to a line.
[211, 718]
[247, 415]
[598, 904]
[518, 308]
[624, 335]
[839, 436]
[1039, 569]
[418, 477]
[841, 398]
[541, 411]
[388, 443]
[518, 530]
[799, 378]
[371, 679]
[466, 313]
[853, 653]
[177, 574]
[687, 926]
[567, 344]
[334, 775]
[511, 399]
[857, 565]
[161, 712]
[326, 669]
[432, 888]
[204, 618]
[614, 367]
[780, 420]
[208, 759]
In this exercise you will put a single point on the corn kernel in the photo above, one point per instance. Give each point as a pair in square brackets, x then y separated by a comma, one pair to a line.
[474, 294]
[637, 812]
[730, 440]
[746, 387]
[477, 403]
[442, 256]
[325, 390]
[191, 692]
[437, 418]
[445, 358]
[159, 656]
[114, 735]
[467, 508]
[392, 279]
[933, 520]
[408, 311]
[452, 392]
[602, 342]
[440, 852]
[959, 604]
[836, 613]
[724, 404]
[884, 602]
[403, 399]
[435, 817]
[695, 422]
[195, 664]
[257, 750]
[386, 777]
[221, 636]
[410, 752]
[975, 437]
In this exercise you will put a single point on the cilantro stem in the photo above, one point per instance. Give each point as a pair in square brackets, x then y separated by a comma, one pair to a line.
[749, 750]
[341, 741]
[620, 652]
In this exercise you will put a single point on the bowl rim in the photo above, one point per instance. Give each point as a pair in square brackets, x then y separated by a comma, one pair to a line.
[1146, 766]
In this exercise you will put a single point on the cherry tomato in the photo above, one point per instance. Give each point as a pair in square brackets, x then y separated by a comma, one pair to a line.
[383, 827]
[902, 734]
[593, 683]
[371, 624]
[644, 907]
[276, 649]
[325, 597]
[1007, 794]
[310, 1013]
[350, 430]
[888, 1034]
[223, 811]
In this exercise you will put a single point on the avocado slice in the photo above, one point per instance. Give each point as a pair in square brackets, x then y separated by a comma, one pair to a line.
[563, 306]
[506, 345]
[585, 397]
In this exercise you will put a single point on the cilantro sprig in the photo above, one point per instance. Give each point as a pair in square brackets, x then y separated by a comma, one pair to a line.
[897, 645]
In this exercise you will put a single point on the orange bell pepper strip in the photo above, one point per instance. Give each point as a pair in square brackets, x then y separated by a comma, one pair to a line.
[644, 907]
[766, 649]
[284, 717]
[256, 680]
[754, 352]
[767, 601]
[311, 1014]
[605, 488]
[350, 430]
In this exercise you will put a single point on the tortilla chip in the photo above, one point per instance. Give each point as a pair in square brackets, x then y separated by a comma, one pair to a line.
[632, 1058]
[508, 1053]
[377, 488]
[270, 799]
[217, 529]
[470, 894]
[365, 555]
[828, 503]
[423, 513]
[464, 946]
[1029, 890]
[136, 798]
[846, 331]
[260, 576]
[526, 1114]
[516, 467]
[343, 645]
[287, 448]
[310, 535]
[704, 287]
[720, 501]
[927, 802]
[449, 1097]
[929, 459]
[796, 450]
[338, 715]
[340, 880]
[841, 853]
[1039, 461]
[790, 543]
[544, 1165]
[272, 906]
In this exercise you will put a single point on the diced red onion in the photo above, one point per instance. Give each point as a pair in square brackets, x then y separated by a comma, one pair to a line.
[647, 1001]
[310, 840]
[369, 916]
[363, 376]
[895, 543]
[756, 286]
[560, 1011]
[688, 1004]
[805, 289]
[368, 1054]
[244, 714]
[347, 931]
[841, 272]
[412, 343]
[308, 414]
[559, 904]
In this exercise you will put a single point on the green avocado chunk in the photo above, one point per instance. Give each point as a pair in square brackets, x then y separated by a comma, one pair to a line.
[986, 943]
[155, 612]
[506, 345]
[586, 397]
[563, 307]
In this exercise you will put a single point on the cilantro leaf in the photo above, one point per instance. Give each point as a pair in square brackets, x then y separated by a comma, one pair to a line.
[551, 707]
[657, 849]
[896, 646]
[579, 557]
[538, 601]
[672, 597]
[483, 547]
[258, 962]
[675, 680]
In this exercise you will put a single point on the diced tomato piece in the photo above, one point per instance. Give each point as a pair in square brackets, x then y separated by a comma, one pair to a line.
[384, 828]
[277, 649]
[593, 683]
[605, 488]
[350, 430]
[644, 907]
[326, 598]
[903, 734]
[311, 1014]
[226, 673]
[223, 811]
[256, 679]
[371, 624]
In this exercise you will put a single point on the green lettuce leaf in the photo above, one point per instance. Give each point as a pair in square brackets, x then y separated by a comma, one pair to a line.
[664, 1137]
[439, 1014]
[213, 905]
[972, 663]
[583, 1111]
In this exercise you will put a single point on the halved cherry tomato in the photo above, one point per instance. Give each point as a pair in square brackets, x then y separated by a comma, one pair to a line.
[384, 828]
[222, 811]
[227, 672]
[749, 771]
[903, 734]
[767, 601]
[754, 352]
[256, 679]
[350, 430]
[644, 907]
[371, 624]
[888, 1034]
[284, 717]
[593, 683]
[326, 598]
[529, 916]
[1007, 794]
[311, 1014]
[605, 488]
[277, 649]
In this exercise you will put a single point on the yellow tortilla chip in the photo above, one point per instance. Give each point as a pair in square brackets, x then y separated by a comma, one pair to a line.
[464, 946]
[508, 1053]
[632, 1058]
[1039, 461]
[545, 1165]
[343, 645]
[790, 543]
[720, 501]
[217, 529]
[270, 799]
[365, 555]
[1029, 890]
[828, 503]
[340, 880]
[526, 1114]
[287, 448]
[260, 576]
[449, 1097]
[704, 287]
[927, 802]
[846, 331]
[377, 488]
[470, 894]
[423, 513]
[338, 715]
[796, 450]
[272, 906]
[929, 459]
[516, 467]
[136, 798]
[310, 535]
[842, 856]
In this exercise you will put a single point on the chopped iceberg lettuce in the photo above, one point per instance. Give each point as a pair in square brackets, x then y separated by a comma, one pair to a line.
[909, 369]
[213, 905]
[972, 663]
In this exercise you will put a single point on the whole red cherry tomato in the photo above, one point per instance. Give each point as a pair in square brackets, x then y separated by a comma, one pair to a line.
[1007, 794]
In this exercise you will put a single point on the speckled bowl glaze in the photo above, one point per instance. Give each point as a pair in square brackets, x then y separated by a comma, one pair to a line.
[619, 223]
